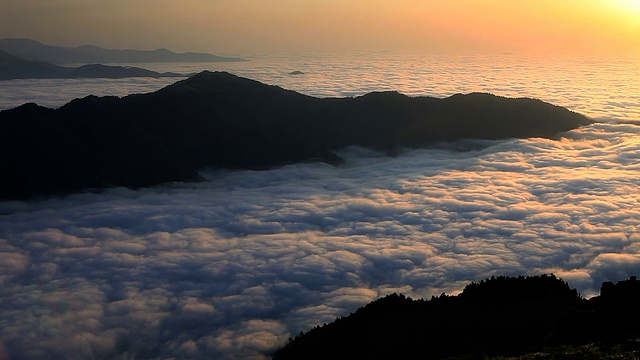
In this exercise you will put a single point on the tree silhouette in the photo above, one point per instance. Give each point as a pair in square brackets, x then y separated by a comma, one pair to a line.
[500, 316]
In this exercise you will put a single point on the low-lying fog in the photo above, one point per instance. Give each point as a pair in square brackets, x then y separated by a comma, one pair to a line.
[232, 267]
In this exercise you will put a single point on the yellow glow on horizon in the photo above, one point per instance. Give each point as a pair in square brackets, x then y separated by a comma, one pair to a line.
[630, 5]
[240, 27]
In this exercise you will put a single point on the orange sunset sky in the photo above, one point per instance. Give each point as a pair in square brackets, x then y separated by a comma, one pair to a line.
[243, 27]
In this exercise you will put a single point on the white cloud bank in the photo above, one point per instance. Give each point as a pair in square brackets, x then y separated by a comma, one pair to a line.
[232, 267]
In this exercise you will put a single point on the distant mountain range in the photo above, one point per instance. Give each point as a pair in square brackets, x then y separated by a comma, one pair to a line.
[35, 51]
[13, 67]
[219, 120]
[537, 317]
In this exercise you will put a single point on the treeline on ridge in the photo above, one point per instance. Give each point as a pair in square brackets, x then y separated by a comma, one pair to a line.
[501, 316]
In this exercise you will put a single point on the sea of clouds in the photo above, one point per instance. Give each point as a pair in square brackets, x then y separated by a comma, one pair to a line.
[232, 267]
[598, 87]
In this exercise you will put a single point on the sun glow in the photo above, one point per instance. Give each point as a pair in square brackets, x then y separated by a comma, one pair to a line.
[628, 5]
[242, 27]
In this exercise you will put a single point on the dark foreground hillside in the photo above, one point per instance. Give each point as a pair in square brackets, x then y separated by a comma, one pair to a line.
[218, 120]
[499, 317]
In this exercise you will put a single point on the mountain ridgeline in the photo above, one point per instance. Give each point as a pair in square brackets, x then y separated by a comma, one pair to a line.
[219, 120]
[495, 318]
[13, 67]
[87, 54]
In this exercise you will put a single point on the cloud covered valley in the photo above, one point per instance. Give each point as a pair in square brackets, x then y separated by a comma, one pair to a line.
[234, 266]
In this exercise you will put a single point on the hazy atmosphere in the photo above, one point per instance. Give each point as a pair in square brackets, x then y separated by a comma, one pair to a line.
[243, 27]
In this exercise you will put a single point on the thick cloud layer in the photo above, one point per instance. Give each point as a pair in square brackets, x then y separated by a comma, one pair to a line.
[596, 87]
[232, 267]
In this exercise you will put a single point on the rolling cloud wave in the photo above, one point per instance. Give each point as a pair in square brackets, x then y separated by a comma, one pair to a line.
[234, 266]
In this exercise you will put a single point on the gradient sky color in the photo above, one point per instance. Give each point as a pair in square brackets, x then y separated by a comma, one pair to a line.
[241, 27]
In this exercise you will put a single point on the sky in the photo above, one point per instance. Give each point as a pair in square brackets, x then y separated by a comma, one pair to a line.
[244, 27]
[232, 267]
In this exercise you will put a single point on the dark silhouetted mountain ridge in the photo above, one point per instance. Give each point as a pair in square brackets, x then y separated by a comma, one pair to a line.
[219, 120]
[12, 67]
[497, 317]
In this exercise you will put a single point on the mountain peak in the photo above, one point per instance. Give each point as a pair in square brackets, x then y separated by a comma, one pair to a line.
[220, 120]
[216, 82]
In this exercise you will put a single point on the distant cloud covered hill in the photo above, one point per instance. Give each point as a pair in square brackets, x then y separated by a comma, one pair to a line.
[35, 51]
[13, 67]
